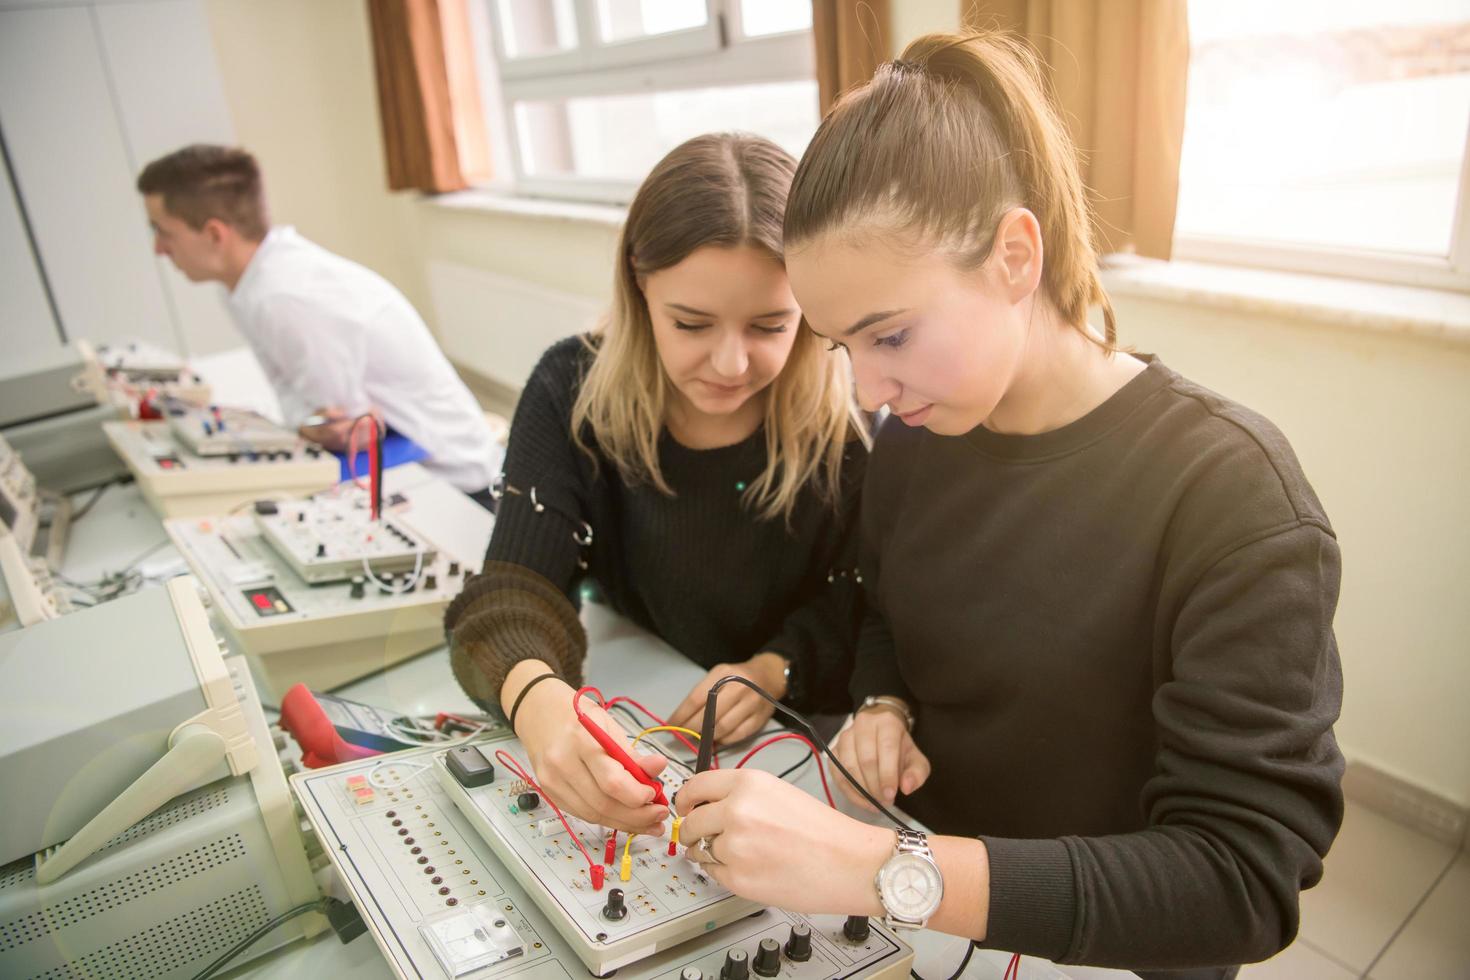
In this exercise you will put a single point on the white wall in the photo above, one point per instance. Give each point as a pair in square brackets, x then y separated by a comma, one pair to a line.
[1381, 423]
[299, 81]
[89, 92]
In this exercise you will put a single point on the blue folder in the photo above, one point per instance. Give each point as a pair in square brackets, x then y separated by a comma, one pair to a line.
[397, 449]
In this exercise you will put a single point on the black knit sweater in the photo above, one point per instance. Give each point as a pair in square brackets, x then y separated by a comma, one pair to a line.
[699, 569]
[1118, 636]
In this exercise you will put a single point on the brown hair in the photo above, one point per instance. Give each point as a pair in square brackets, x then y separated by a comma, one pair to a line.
[726, 190]
[943, 142]
[201, 182]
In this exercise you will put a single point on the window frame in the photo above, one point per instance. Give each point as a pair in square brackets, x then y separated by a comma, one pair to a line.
[1450, 272]
[715, 55]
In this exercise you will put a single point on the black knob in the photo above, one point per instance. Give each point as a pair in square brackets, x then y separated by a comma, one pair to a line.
[454, 568]
[358, 582]
[856, 928]
[431, 581]
[527, 801]
[768, 958]
[615, 910]
[737, 965]
[301, 517]
[799, 943]
[321, 550]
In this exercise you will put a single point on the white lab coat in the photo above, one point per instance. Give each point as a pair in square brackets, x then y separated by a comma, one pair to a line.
[328, 331]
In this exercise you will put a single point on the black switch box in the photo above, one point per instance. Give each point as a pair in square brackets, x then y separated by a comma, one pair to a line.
[470, 767]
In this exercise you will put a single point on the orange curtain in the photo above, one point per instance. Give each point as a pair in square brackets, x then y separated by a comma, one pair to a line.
[851, 38]
[1119, 69]
[414, 95]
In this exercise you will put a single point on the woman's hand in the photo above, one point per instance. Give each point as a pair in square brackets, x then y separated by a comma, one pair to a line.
[772, 843]
[740, 712]
[877, 748]
[574, 770]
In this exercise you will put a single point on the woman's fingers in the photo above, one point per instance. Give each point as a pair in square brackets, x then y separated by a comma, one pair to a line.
[847, 754]
[916, 768]
[704, 787]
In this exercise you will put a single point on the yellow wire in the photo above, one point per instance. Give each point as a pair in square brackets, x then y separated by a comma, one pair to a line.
[663, 728]
[625, 867]
[625, 870]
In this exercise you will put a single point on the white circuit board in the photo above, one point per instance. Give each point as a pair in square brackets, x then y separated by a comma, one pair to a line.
[179, 483]
[668, 897]
[213, 430]
[326, 633]
[432, 889]
[330, 539]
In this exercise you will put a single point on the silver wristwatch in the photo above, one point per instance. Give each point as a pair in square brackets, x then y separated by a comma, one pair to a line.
[909, 883]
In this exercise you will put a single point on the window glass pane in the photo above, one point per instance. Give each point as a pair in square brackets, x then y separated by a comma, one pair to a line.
[761, 17]
[621, 137]
[1338, 123]
[535, 27]
[624, 20]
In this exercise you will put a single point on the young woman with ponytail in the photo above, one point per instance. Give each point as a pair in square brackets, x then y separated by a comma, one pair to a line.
[1101, 595]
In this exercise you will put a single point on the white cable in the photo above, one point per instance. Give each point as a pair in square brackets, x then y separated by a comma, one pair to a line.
[373, 772]
[406, 586]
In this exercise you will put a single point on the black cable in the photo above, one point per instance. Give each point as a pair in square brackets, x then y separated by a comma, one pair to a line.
[245, 943]
[969, 952]
[707, 738]
[82, 511]
[810, 755]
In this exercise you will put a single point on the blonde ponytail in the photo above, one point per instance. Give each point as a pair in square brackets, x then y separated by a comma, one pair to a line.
[944, 141]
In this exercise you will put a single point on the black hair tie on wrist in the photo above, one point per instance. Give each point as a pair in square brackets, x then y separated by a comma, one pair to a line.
[522, 696]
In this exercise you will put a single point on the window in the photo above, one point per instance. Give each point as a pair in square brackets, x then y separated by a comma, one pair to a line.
[1329, 136]
[592, 93]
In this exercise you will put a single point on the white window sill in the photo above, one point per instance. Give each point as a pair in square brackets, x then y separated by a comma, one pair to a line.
[1430, 313]
[505, 203]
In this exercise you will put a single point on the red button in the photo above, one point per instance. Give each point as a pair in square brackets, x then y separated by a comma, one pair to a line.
[260, 600]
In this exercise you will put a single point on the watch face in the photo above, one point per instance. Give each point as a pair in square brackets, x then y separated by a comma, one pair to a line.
[910, 886]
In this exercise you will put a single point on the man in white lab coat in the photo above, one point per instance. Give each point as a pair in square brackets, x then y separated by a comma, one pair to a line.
[335, 339]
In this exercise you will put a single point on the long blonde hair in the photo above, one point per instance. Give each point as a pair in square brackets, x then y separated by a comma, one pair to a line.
[727, 190]
[943, 142]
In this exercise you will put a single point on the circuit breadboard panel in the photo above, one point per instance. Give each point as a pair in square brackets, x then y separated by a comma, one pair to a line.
[333, 538]
[213, 430]
[667, 897]
[256, 585]
[442, 903]
[155, 446]
[141, 362]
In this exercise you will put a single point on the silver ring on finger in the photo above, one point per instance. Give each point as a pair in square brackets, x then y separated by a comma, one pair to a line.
[705, 849]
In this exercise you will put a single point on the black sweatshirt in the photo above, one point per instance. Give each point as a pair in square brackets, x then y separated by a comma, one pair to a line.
[699, 569]
[1118, 637]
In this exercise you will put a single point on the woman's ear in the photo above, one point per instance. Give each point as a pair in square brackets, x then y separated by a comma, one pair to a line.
[1017, 253]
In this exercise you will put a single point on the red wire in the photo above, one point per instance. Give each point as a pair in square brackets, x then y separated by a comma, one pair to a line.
[679, 735]
[515, 767]
[374, 473]
[808, 743]
[352, 449]
[1013, 968]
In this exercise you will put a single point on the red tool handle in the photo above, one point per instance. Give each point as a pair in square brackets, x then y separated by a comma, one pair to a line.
[615, 749]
